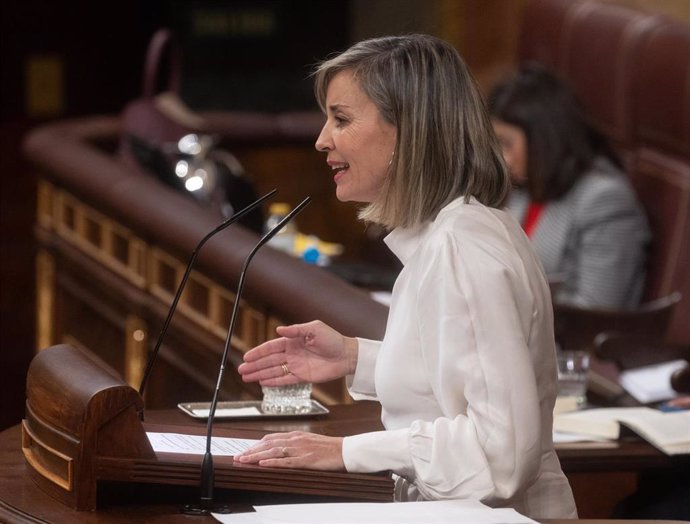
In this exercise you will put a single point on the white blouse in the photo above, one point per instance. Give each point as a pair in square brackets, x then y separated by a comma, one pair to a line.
[466, 372]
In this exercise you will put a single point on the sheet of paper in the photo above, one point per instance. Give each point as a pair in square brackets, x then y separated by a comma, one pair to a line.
[651, 383]
[659, 427]
[565, 404]
[564, 438]
[383, 297]
[238, 518]
[196, 444]
[228, 412]
[430, 512]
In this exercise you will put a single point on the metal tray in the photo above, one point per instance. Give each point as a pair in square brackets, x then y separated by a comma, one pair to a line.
[244, 409]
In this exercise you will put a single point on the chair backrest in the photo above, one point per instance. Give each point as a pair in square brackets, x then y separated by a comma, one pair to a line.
[660, 170]
[628, 350]
[663, 187]
[577, 327]
[592, 45]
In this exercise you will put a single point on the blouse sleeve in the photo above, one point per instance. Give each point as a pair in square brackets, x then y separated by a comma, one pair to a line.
[361, 384]
[475, 318]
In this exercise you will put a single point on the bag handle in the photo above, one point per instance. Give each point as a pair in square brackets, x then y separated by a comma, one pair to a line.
[161, 40]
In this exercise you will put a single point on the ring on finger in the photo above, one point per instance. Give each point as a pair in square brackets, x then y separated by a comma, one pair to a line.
[284, 367]
[284, 452]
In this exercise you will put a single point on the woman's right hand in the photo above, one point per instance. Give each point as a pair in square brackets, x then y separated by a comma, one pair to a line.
[312, 352]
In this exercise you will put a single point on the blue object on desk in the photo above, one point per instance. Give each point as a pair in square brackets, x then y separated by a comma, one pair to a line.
[668, 409]
[311, 255]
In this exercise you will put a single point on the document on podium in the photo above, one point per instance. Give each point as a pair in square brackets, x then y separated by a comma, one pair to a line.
[429, 512]
[196, 444]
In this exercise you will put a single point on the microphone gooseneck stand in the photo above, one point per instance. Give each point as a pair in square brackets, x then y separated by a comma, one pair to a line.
[234, 218]
[206, 505]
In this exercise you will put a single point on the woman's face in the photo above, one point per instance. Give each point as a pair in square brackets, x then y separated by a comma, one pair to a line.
[514, 145]
[359, 143]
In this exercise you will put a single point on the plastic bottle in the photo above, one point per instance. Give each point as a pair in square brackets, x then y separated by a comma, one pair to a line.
[285, 238]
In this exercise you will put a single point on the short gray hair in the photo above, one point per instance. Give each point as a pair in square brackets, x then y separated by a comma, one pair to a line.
[446, 147]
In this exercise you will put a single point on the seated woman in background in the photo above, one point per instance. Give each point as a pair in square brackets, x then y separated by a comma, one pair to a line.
[570, 193]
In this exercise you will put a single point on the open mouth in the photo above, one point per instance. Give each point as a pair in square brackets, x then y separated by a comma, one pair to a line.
[337, 168]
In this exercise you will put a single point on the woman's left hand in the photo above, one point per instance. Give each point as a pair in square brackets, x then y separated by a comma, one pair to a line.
[296, 449]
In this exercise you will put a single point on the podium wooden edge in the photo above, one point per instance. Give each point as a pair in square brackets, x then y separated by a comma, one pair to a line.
[76, 410]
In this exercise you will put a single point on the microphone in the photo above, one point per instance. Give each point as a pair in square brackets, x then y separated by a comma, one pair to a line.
[207, 474]
[234, 218]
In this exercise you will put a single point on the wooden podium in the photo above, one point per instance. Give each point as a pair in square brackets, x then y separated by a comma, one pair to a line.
[83, 426]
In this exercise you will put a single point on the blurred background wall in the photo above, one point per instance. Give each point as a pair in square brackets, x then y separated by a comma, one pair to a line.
[67, 59]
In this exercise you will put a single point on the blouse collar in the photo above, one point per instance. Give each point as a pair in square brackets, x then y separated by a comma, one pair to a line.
[403, 242]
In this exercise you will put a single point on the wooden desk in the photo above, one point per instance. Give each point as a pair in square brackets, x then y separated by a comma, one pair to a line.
[591, 466]
[601, 474]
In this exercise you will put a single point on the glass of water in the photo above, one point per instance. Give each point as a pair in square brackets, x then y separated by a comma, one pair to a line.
[572, 375]
[286, 400]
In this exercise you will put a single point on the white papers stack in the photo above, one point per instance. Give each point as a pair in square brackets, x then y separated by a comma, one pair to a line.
[430, 512]
[651, 383]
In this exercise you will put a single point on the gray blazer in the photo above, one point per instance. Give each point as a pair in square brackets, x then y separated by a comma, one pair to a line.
[594, 239]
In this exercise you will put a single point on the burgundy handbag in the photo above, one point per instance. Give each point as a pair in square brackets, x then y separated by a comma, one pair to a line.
[160, 134]
[158, 117]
